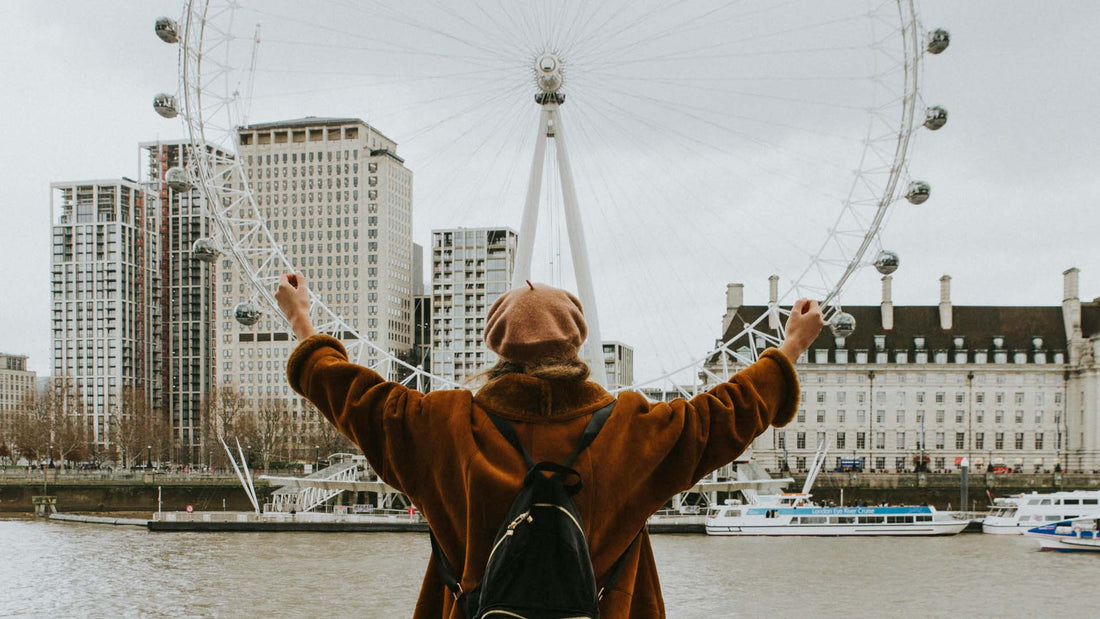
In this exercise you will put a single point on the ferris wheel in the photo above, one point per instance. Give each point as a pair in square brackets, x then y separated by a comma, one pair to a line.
[707, 141]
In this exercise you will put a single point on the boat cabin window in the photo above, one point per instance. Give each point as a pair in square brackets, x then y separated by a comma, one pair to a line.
[1044, 502]
[1070, 502]
[843, 520]
[1033, 502]
[924, 518]
[1088, 501]
[899, 519]
[812, 520]
[871, 519]
[1054, 518]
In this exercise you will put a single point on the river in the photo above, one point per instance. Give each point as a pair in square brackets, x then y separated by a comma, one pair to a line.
[81, 570]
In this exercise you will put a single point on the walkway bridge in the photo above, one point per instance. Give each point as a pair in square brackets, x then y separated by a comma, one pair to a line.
[305, 494]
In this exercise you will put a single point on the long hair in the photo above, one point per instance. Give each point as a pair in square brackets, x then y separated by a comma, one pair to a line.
[572, 369]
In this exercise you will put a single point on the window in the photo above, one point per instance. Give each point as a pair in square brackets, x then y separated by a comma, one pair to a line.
[801, 415]
[979, 416]
[899, 465]
[861, 416]
[901, 440]
[939, 397]
[861, 440]
[920, 397]
[880, 464]
[821, 397]
[1019, 440]
[1038, 417]
[999, 440]
[1019, 416]
[940, 416]
[979, 397]
[979, 440]
[821, 415]
[840, 416]
[781, 439]
[842, 439]
[800, 441]
[939, 440]
[1038, 440]
[880, 440]
[1019, 397]
[880, 416]
[998, 417]
[960, 440]
[959, 415]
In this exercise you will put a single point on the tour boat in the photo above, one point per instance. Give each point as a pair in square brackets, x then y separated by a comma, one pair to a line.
[1016, 514]
[797, 514]
[1073, 535]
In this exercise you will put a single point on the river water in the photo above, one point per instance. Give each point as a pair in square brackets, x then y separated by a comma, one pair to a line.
[81, 570]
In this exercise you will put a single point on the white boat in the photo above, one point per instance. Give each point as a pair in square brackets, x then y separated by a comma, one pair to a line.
[1074, 535]
[1013, 515]
[796, 514]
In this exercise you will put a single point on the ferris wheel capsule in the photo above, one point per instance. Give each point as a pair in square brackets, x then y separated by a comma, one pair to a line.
[842, 324]
[247, 313]
[935, 117]
[887, 262]
[918, 192]
[166, 105]
[178, 179]
[167, 29]
[938, 40]
[204, 249]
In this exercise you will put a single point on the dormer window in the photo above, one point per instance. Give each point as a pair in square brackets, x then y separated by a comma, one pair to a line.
[918, 342]
[998, 341]
[880, 342]
[1037, 342]
[959, 341]
[839, 341]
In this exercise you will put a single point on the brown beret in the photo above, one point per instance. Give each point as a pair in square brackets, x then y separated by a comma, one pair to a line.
[535, 322]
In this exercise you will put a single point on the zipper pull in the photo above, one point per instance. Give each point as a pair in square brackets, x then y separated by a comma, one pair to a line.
[520, 518]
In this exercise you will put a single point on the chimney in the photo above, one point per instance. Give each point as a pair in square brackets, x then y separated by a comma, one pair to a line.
[773, 299]
[1071, 313]
[887, 302]
[735, 297]
[945, 302]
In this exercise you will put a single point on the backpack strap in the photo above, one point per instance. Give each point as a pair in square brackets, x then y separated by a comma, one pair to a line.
[590, 431]
[509, 432]
[448, 574]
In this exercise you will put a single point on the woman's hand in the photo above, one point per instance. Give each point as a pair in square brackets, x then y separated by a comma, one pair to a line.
[293, 298]
[803, 326]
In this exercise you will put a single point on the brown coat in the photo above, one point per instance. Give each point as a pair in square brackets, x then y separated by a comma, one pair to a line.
[444, 453]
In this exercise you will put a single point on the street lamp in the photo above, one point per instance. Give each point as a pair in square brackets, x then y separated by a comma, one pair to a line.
[316, 458]
[148, 457]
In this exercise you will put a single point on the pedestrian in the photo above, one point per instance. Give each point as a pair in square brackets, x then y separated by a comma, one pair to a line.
[444, 452]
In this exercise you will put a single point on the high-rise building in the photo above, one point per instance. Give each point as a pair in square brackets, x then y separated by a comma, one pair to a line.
[338, 200]
[618, 364]
[105, 312]
[187, 343]
[471, 267]
[17, 384]
[925, 386]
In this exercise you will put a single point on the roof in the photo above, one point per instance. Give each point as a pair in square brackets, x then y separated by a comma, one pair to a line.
[312, 121]
[1090, 318]
[978, 324]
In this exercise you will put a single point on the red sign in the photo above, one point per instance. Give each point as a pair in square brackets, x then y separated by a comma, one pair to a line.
[190, 508]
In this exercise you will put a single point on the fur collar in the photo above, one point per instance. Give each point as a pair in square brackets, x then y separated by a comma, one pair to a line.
[523, 397]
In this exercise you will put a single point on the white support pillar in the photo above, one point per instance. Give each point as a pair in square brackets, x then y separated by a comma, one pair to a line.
[592, 352]
[526, 241]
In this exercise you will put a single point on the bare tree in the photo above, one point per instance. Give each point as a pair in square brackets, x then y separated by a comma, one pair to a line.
[272, 426]
[133, 425]
[31, 428]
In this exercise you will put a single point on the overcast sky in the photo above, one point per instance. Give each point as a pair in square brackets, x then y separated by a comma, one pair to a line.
[1014, 173]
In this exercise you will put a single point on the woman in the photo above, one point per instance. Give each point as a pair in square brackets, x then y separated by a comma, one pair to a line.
[442, 450]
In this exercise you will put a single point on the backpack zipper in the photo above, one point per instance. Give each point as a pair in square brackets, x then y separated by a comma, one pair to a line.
[511, 529]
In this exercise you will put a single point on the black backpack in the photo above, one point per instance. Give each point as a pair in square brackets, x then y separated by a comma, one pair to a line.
[539, 566]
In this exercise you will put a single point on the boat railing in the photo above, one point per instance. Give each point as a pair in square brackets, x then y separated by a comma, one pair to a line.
[965, 515]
